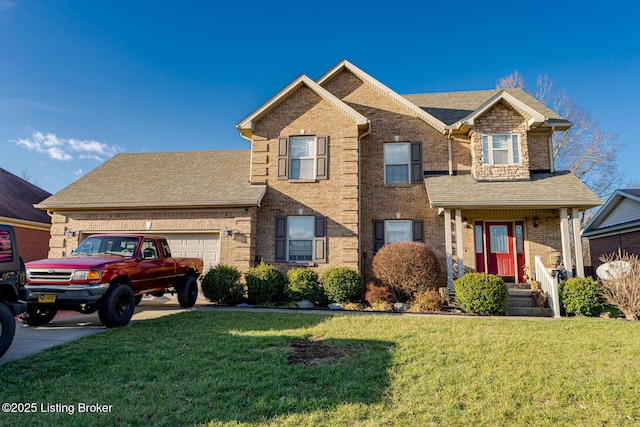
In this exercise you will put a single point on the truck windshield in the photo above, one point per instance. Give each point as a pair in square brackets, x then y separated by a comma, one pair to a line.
[107, 245]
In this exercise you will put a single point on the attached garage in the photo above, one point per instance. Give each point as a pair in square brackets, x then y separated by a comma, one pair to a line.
[205, 246]
[192, 198]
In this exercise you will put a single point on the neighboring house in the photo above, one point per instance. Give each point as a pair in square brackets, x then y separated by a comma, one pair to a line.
[32, 225]
[340, 166]
[615, 227]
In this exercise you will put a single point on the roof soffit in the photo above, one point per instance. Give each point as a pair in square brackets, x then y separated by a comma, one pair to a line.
[606, 209]
[411, 107]
[246, 126]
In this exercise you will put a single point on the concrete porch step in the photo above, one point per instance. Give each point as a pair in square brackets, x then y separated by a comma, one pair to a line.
[529, 311]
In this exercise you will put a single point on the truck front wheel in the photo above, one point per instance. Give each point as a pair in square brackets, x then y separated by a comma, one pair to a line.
[7, 328]
[188, 292]
[116, 306]
[37, 315]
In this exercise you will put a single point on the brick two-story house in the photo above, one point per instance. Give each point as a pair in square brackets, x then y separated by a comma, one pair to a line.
[340, 166]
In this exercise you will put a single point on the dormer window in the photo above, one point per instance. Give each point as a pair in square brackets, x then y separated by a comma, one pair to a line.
[501, 149]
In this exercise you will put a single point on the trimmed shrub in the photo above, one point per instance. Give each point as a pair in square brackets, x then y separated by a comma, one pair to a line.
[222, 285]
[342, 284]
[265, 284]
[302, 283]
[429, 300]
[407, 268]
[481, 293]
[378, 297]
[580, 296]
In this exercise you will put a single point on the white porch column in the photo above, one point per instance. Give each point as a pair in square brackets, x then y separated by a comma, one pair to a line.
[566, 243]
[577, 242]
[448, 248]
[459, 248]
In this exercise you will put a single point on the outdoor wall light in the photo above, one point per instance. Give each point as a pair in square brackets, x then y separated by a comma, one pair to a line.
[536, 221]
[396, 138]
[226, 232]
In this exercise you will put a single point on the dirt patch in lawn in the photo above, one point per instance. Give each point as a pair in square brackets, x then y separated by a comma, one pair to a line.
[311, 351]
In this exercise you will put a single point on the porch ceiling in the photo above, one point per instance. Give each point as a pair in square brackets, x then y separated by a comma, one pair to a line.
[544, 190]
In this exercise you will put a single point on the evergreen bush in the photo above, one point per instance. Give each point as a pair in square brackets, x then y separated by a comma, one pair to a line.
[481, 293]
[265, 284]
[342, 285]
[221, 285]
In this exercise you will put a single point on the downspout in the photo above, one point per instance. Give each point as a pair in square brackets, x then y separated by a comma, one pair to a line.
[551, 160]
[360, 252]
[250, 154]
[450, 154]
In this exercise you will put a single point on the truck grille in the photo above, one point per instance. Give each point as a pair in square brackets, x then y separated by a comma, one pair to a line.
[50, 275]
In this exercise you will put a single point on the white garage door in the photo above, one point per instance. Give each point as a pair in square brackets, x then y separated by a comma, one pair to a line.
[205, 246]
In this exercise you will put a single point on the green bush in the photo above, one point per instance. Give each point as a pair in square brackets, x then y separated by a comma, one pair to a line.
[342, 284]
[222, 285]
[580, 296]
[302, 283]
[265, 284]
[481, 293]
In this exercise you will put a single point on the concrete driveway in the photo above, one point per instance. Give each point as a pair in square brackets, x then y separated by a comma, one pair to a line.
[70, 325]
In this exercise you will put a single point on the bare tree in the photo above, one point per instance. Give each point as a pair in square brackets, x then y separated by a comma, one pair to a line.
[586, 150]
[25, 175]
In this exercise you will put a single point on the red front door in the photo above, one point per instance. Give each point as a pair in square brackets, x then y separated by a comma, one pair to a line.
[500, 251]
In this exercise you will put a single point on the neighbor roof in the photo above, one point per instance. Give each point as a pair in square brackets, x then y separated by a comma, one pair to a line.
[451, 107]
[163, 180]
[605, 221]
[544, 190]
[17, 198]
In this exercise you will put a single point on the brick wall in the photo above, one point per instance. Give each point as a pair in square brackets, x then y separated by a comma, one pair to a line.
[629, 242]
[32, 244]
[502, 118]
[335, 198]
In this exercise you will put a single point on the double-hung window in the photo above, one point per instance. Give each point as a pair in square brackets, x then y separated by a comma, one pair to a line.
[301, 239]
[402, 163]
[396, 163]
[501, 149]
[303, 157]
[398, 231]
[392, 231]
[300, 236]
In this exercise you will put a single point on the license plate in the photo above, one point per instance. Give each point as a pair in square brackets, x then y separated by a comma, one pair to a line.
[46, 298]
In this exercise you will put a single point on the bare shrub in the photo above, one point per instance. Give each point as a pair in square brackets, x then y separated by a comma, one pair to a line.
[407, 268]
[430, 300]
[623, 289]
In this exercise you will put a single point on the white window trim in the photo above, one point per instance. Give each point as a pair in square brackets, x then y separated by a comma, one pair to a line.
[313, 158]
[510, 151]
[384, 160]
[391, 221]
[313, 250]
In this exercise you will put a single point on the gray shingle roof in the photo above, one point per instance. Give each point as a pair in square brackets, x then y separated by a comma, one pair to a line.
[544, 190]
[156, 180]
[449, 107]
[17, 198]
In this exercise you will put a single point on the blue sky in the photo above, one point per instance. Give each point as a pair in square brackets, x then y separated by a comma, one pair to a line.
[83, 80]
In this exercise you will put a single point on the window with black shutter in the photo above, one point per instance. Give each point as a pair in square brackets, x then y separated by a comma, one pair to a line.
[303, 157]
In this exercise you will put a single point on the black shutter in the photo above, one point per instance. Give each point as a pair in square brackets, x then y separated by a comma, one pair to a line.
[418, 231]
[378, 235]
[322, 158]
[281, 239]
[416, 163]
[283, 158]
[320, 242]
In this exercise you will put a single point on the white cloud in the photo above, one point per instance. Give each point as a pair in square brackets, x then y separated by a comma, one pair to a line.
[79, 172]
[64, 149]
[6, 6]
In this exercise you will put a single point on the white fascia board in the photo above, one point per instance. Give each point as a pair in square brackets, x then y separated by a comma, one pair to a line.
[607, 208]
[417, 111]
[536, 117]
[247, 123]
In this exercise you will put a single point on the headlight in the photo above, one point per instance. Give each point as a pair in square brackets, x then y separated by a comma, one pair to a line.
[86, 275]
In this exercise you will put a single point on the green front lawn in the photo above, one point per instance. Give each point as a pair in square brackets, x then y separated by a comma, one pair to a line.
[239, 368]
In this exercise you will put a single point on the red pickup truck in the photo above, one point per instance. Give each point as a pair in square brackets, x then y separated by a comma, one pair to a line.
[108, 273]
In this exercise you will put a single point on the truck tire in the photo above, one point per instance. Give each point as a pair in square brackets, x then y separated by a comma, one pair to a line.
[7, 328]
[188, 292]
[116, 307]
[37, 315]
[138, 299]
